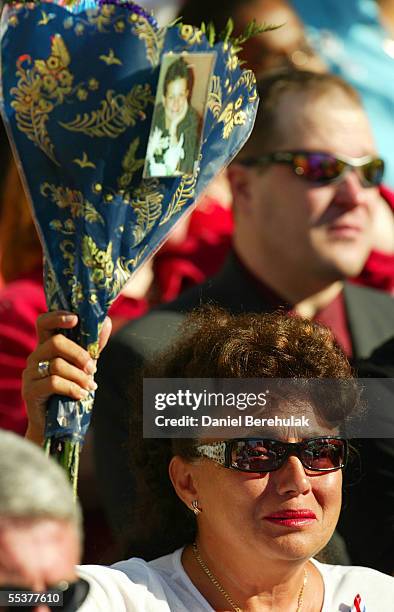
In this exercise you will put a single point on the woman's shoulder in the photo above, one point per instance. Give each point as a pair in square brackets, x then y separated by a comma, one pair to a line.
[346, 585]
[136, 566]
[135, 585]
[351, 572]
[128, 586]
[166, 570]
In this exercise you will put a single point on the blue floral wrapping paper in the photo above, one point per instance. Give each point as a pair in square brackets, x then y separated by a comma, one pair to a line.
[77, 96]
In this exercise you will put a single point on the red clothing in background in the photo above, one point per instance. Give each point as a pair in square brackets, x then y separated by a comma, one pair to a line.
[21, 302]
[180, 266]
[379, 269]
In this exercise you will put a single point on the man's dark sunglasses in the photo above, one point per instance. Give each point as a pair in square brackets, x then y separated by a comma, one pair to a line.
[74, 594]
[324, 454]
[324, 168]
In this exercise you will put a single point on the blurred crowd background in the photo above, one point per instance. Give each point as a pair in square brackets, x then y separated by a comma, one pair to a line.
[352, 38]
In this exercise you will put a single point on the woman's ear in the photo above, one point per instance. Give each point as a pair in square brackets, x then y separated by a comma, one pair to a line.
[182, 475]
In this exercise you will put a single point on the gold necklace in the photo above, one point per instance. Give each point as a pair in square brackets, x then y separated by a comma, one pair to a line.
[219, 587]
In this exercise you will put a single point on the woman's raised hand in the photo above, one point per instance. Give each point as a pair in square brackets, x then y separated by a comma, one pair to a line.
[57, 366]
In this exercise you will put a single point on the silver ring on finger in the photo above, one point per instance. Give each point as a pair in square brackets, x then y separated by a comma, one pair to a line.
[43, 368]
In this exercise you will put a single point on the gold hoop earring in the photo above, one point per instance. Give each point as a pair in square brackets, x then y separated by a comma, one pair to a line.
[195, 507]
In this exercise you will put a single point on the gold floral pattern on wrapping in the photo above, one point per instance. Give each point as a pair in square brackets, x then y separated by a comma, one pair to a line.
[77, 294]
[51, 287]
[146, 201]
[232, 59]
[105, 274]
[64, 197]
[13, 21]
[131, 264]
[117, 113]
[153, 39]
[110, 59]
[120, 26]
[42, 86]
[248, 79]
[67, 227]
[67, 249]
[190, 34]
[122, 271]
[130, 164]
[84, 162]
[82, 94]
[215, 97]
[231, 116]
[184, 192]
[45, 18]
[101, 18]
[147, 205]
[106, 18]
[99, 261]
[56, 78]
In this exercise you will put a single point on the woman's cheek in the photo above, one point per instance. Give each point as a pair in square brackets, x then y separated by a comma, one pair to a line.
[327, 490]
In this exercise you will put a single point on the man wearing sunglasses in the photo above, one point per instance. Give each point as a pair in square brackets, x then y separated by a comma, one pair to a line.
[304, 187]
[40, 531]
[305, 194]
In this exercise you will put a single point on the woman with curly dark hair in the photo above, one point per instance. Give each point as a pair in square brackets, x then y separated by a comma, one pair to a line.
[262, 507]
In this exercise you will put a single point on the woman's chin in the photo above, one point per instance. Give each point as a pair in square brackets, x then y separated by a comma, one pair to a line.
[293, 546]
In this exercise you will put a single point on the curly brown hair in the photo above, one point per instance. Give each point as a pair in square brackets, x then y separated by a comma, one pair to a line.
[216, 344]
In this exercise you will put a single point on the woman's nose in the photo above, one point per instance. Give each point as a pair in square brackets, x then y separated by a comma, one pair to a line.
[291, 478]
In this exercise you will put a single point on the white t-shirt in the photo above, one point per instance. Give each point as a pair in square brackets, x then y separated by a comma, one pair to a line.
[162, 585]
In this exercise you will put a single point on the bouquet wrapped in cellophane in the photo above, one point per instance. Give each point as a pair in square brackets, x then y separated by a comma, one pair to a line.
[78, 88]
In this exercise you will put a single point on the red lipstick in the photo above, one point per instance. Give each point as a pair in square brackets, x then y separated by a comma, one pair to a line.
[292, 518]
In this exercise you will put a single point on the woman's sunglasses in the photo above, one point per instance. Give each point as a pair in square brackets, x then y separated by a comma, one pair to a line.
[324, 168]
[266, 455]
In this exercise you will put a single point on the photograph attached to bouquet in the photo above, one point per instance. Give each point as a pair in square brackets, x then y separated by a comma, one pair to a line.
[177, 125]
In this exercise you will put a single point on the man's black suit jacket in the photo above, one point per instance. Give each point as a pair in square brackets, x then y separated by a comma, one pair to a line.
[370, 316]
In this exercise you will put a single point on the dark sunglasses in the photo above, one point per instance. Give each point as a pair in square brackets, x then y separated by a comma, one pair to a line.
[324, 168]
[266, 455]
[73, 593]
